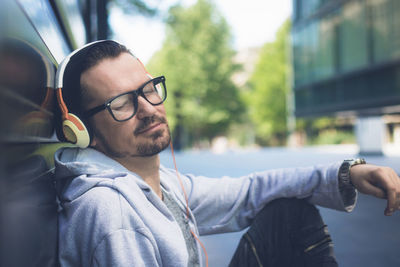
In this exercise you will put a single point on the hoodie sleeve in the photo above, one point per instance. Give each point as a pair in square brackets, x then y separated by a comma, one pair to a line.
[229, 204]
[125, 248]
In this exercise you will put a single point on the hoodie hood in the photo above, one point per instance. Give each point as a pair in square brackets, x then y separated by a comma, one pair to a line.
[78, 170]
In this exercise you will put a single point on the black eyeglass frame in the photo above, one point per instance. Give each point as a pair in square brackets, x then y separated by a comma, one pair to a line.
[136, 93]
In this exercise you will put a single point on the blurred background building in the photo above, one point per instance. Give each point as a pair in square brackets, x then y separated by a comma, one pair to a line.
[346, 62]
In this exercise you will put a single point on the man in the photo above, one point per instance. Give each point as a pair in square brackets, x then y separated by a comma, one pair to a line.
[120, 207]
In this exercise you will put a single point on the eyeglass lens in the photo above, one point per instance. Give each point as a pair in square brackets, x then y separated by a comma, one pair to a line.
[124, 106]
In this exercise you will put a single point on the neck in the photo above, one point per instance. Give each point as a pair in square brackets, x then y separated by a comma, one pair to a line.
[147, 168]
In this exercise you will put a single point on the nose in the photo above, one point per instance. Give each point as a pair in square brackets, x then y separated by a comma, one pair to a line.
[145, 109]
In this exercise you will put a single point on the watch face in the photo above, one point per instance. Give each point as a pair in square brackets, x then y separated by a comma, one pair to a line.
[345, 166]
[344, 173]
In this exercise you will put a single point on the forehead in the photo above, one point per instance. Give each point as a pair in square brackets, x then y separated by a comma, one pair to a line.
[113, 76]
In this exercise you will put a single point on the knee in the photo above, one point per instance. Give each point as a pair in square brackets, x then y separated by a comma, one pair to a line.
[287, 202]
[280, 210]
[287, 210]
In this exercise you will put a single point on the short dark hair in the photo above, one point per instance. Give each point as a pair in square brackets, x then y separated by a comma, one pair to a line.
[73, 93]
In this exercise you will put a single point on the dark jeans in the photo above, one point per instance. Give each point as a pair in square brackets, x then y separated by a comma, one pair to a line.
[287, 232]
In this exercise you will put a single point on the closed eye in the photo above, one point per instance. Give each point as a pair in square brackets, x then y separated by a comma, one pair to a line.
[122, 103]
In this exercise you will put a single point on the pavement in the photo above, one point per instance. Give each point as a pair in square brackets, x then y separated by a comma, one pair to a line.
[364, 237]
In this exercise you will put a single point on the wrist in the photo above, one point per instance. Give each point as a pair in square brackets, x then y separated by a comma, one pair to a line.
[344, 171]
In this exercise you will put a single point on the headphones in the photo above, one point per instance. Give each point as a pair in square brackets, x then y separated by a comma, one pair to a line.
[73, 129]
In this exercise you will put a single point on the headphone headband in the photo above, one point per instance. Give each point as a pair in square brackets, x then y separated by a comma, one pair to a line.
[64, 63]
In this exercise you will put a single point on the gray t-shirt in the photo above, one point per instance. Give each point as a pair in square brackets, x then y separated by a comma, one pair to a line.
[182, 220]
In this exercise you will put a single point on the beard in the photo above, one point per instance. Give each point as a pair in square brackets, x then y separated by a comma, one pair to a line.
[158, 143]
[154, 143]
[158, 140]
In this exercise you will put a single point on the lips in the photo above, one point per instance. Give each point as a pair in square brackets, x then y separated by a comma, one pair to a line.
[151, 127]
[149, 123]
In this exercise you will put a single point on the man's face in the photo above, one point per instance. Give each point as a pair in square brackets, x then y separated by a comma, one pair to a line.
[146, 133]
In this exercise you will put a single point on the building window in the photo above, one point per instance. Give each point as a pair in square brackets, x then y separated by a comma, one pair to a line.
[353, 52]
[385, 29]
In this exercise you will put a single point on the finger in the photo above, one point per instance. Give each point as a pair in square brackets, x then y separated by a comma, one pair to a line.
[384, 178]
[398, 200]
[396, 182]
[389, 211]
[391, 203]
[370, 189]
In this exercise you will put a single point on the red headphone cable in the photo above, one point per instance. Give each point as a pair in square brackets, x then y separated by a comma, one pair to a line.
[187, 202]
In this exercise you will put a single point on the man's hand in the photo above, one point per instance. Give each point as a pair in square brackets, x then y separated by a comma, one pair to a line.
[381, 182]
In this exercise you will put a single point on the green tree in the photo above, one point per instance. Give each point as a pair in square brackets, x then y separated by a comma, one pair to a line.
[196, 58]
[136, 7]
[267, 98]
[104, 31]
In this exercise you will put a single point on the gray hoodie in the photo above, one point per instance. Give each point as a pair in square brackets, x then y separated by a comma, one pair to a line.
[111, 217]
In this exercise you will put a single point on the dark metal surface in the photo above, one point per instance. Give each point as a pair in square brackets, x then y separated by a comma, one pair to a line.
[31, 46]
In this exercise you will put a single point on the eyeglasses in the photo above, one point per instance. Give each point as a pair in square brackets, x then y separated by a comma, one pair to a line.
[124, 106]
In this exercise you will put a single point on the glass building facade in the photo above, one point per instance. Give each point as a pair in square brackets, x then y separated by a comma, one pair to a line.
[346, 56]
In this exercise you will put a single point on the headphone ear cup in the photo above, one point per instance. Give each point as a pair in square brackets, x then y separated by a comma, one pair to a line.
[75, 131]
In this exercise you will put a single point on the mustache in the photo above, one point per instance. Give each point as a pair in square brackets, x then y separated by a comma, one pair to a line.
[145, 122]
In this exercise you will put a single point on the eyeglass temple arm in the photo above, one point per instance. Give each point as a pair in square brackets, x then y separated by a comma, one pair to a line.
[95, 110]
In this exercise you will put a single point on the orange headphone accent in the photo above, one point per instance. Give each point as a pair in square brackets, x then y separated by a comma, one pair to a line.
[68, 116]
[61, 104]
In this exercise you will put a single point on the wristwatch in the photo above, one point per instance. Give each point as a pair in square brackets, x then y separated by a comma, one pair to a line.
[344, 170]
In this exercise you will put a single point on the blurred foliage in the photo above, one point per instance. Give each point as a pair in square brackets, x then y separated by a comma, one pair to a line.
[333, 137]
[268, 88]
[136, 7]
[197, 61]
[327, 130]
